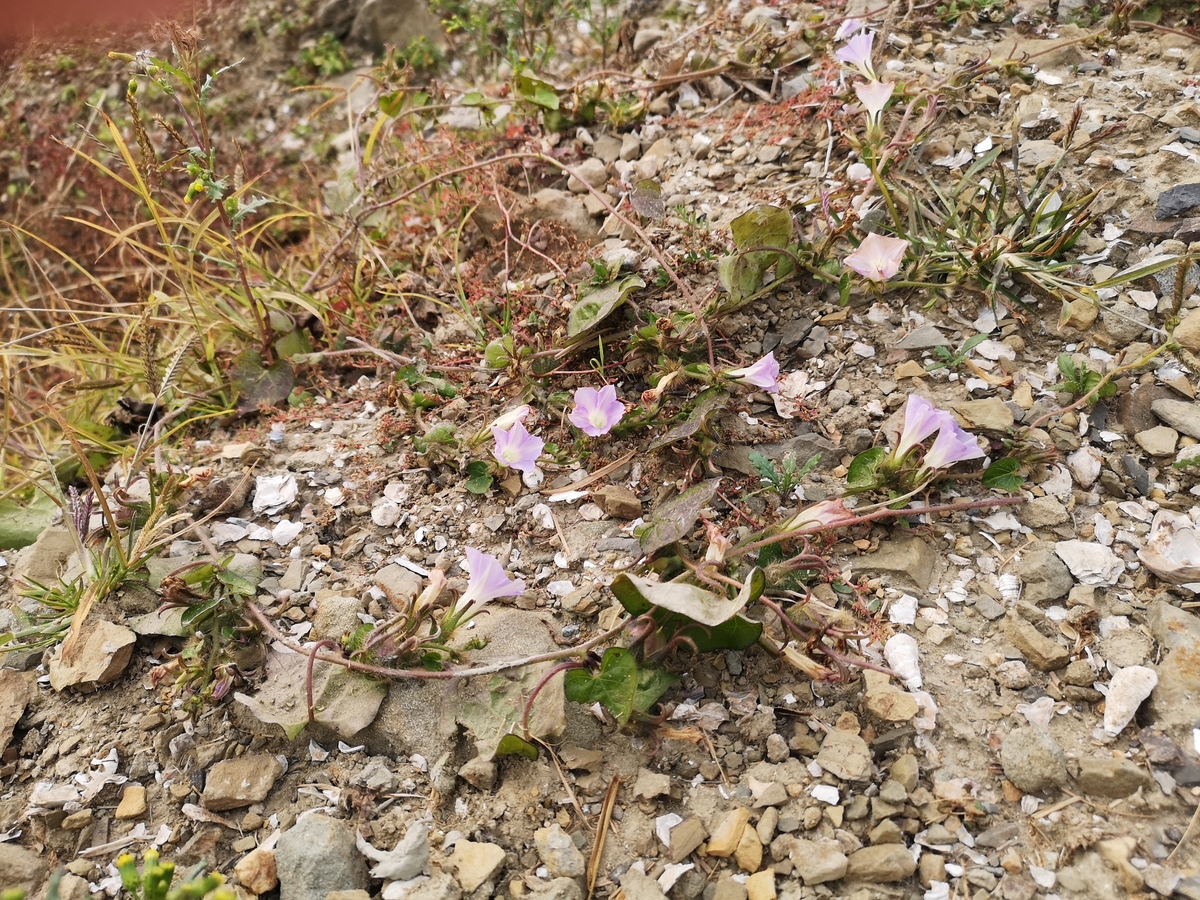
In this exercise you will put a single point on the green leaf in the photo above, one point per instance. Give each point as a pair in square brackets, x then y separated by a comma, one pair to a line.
[736, 634]
[514, 745]
[742, 273]
[479, 484]
[620, 686]
[595, 304]
[1002, 475]
[674, 519]
[764, 466]
[646, 199]
[762, 226]
[257, 385]
[863, 474]
[708, 402]
[498, 353]
[690, 600]
[533, 90]
[20, 525]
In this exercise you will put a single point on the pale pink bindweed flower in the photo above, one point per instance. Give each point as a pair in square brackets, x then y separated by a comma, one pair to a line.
[762, 374]
[596, 412]
[921, 419]
[824, 513]
[488, 581]
[877, 258]
[857, 53]
[952, 445]
[517, 448]
[848, 28]
[874, 96]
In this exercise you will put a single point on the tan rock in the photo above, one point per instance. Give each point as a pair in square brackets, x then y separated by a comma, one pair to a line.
[886, 701]
[749, 852]
[618, 501]
[1187, 332]
[474, 863]
[761, 885]
[133, 802]
[726, 835]
[256, 871]
[100, 656]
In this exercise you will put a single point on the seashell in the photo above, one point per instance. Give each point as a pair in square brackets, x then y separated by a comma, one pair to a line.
[903, 658]
[1084, 464]
[1039, 712]
[1172, 551]
[1128, 688]
[1009, 586]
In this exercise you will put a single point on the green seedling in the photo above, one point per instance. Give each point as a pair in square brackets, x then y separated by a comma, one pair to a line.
[948, 359]
[1080, 381]
[782, 480]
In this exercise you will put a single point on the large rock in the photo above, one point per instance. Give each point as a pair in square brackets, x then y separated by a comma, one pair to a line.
[907, 561]
[1043, 653]
[1043, 575]
[44, 559]
[1111, 777]
[1033, 760]
[1175, 702]
[887, 862]
[379, 24]
[21, 869]
[233, 783]
[100, 656]
[318, 855]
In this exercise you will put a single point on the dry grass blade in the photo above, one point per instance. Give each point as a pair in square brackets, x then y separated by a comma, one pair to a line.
[606, 811]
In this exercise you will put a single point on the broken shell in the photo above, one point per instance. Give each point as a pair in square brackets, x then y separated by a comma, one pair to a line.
[1084, 464]
[1128, 688]
[1172, 551]
[902, 656]
[1009, 586]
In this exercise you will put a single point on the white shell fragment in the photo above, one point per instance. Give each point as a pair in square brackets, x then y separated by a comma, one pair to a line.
[1090, 563]
[274, 493]
[1172, 551]
[1084, 464]
[903, 658]
[1128, 688]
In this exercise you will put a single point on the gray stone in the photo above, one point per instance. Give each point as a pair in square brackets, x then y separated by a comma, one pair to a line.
[1111, 777]
[1033, 760]
[14, 697]
[922, 338]
[400, 585]
[886, 862]
[44, 559]
[631, 147]
[233, 783]
[337, 616]
[1158, 441]
[558, 852]
[817, 862]
[641, 887]
[845, 755]
[905, 559]
[1174, 704]
[555, 889]
[1014, 675]
[1042, 512]
[592, 172]
[1179, 414]
[479, 773]
[1043, 653]
[19, 868]
[1176, 201]
[989, 608]
[998, 835]
[1187, 332]
[651, 784]
[737, 457]
[607, 149]
[100, 656]
[318, 855]
[1124, 322]
[645, 38]
[383, 23]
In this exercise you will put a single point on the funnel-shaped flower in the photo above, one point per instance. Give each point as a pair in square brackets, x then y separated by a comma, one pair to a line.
[874, 96]
[848, 28]
[952, 445]
[517, 448]
[488, 582]
[596, 411]
[877, 258]
[824, 513]
[857, 53]
[763, 374]
[921, 419]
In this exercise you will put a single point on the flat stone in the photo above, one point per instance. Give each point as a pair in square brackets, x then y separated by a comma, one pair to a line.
[638, 886]
[400, 585]
[1043, 653]
[442, 886]
[728, 832]
[592, 172]
[1033, 760]
[14, 697]
[906, 560]
[998, 835]
[556, 889]
[100, 656]
[845, 755]
[1111, 777]
[618, 501]
[1158, 441]
[233, 783]
[922, 337]
[318, 855]
[1179, 414]
[886, 701]
[990, 608]
[685, 838]
[1187, 332]
[474, 863]
[761, 885]
[607, 149]
[631, 147]
[1042, 512]
[886, 862]
[1176, 201]
[1090, 563]
[336, 617]
[991, 414]
[1124, 322]
[749, 852]
[20, 869]
[729, 889]
[816, 862]
[558, 852]
[1014, 675]
[1174, 704]
[133, 803]
[651, 784]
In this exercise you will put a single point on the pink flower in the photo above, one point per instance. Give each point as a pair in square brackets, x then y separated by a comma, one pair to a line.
[596, 411]
[517, 448]
[874, 96]
[763, 374]
[824, 513]
[921, 419]
[848, 28]
[857, 53]
[953, 445]
[488, 582]
[877, 258]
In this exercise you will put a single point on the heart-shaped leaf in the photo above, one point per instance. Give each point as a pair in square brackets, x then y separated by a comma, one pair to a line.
[621, 686]
[710, 401]
[863, 474]
[646, 199]
[595, 304]
[674, 519]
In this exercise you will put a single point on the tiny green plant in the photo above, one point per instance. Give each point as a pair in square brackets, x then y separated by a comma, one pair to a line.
[154, 880]
[1080, 380]
[784, 478]
[949, 359]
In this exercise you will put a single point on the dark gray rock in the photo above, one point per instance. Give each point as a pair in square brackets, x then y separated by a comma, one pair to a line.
[318, 855]
[1177, 200]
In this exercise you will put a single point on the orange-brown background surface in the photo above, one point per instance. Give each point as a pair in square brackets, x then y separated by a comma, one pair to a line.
[22, 20]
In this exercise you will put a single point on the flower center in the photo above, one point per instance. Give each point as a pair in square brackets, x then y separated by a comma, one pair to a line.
[597, 418]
